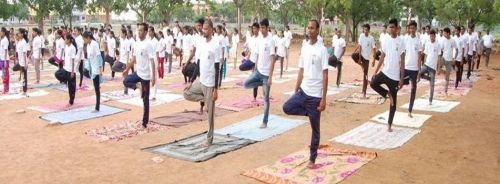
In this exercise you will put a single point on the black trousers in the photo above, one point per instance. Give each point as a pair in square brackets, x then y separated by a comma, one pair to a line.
[339, 72]
[111, 61]
[376, 85]
[365, 64]
[24, 72]
[460, 72]
[71, 87]
[80, 70]
[97, 90]
[411, 75]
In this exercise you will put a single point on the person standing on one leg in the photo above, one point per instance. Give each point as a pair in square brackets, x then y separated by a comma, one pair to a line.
[488, 41]
[393, 59]
[338, 51]
[366, 46]
[153, 39]
[79, 45]
[251, 51]
[311, 87]
[111, 52]
[57, 60]
[124, 55]
[281, 50]
[94, 65]
[71, 61]
[413, 52]
[432, 58]
[205, 88]
[448, 47]
[22, 47]
[263, 74]
[145, 73]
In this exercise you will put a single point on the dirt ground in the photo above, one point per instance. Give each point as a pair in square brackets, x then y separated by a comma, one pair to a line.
[461, 146]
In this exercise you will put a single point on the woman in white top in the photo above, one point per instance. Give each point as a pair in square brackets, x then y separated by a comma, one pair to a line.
[22, 56]
[111, 51]
[94, 65]
[70, 66]
[187, 43]
[37, 45]
[235, 39]
[154, 43]
[281, 50]
[162, 45]
[4, 58]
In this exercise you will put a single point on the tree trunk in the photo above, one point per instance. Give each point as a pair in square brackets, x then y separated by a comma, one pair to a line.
[108, 15]
[239, 20]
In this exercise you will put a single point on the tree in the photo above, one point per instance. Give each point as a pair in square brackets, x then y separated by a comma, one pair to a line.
[166, 7]
[64, 8]
[8, 9]
[142, 8]
[239, 4]
[108, 6]
[354, 12]
[283, 9]
[426, 10]
[41, 7]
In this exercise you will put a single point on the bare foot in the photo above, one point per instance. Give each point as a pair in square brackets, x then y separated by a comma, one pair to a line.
[311, 165]
[389, 129]
[206, 144]
[409, 115]
[263, 125]
[153, 99]
[95, 111]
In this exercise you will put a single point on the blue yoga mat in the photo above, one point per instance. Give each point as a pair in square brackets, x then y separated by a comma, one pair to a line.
[80, 114]
[249, 129]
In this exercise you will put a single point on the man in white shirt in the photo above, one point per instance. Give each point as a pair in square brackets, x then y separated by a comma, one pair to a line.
[472, 44]
[460, 55]
[289, 36]
[251, 53]
[110, 52]
[488, 41]
[366, 47]
[79, 44]
[263, 73]
[413, 51]
[338, 51]
[311, 87]
[124, 55]
[57, 60]
[393, 59]
[448, 48]
[36, 51]
[205, 88]
[383, 36]
[4, 58]
[145, 73]
[432, 56]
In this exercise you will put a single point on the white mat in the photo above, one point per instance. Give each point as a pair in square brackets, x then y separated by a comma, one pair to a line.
[437, 105]
[161, 98]
[229, 79]
[119, 94]
[376, 136]
[19, 95]
[277, 80]
[402, 119]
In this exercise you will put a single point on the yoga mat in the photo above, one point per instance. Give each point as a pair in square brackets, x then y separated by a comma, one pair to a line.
[453, 94]
[120, 95]
[187, 117]
[63, 105]
[80, 114]
[437, 105]
[243, 103]
[124, 130]
[161, 98]
[177, 85]
[357, 99]
[249, 129]
[332, 166]
[64, 88]
[291, 76]
[402, 119]
[18, 95]
[229, 79]
[376, 136]
[192, 149]
[43, 85]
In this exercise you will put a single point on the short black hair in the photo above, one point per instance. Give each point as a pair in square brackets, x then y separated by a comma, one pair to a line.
[432, 32]
[446, 30]
[394, 22]
[264, 22]
[201, 21]
[428, 27]
[412, 23]
[471, 26]
[367, 26]
[144, 25]
[315, 22]
[256, 25]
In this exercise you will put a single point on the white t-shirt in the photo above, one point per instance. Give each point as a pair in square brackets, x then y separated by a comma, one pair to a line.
[265, 51]
[472, 41]
[154, 42]
[412, 47]
[93, 52]
[197, 41]
[209, 55]
[179, 38]
[476, 39]
[392, 48]
[460, 42]
[164, 30]
[175, 30]
[338, 48]
[424, 38]
[37, 45]
[382, 38]
[432, 51]
[252, 45]
[124, 50]
[22, 49]
[288, 35]
[187, 43]
[111, 47]
[4, 47]
[281, 47]
[334, 39]
[162, 44]
[314, 60]
[59, 48]
[143, 52]
[448, 46]
[69, 55]
[367, 43]
[488, 41]
[235, 39]
[169, 41]
[79, 45]
[51, 39]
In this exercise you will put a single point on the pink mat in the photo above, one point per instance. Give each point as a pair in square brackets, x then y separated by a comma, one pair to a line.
[63, 105]
[84, 87]
[177, 85]
[125, 130]
[244, 103]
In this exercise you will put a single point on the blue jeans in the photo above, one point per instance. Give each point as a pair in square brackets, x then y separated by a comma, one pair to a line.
[301, 104]
[130, 82]
[257, 79]
[428, 73]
